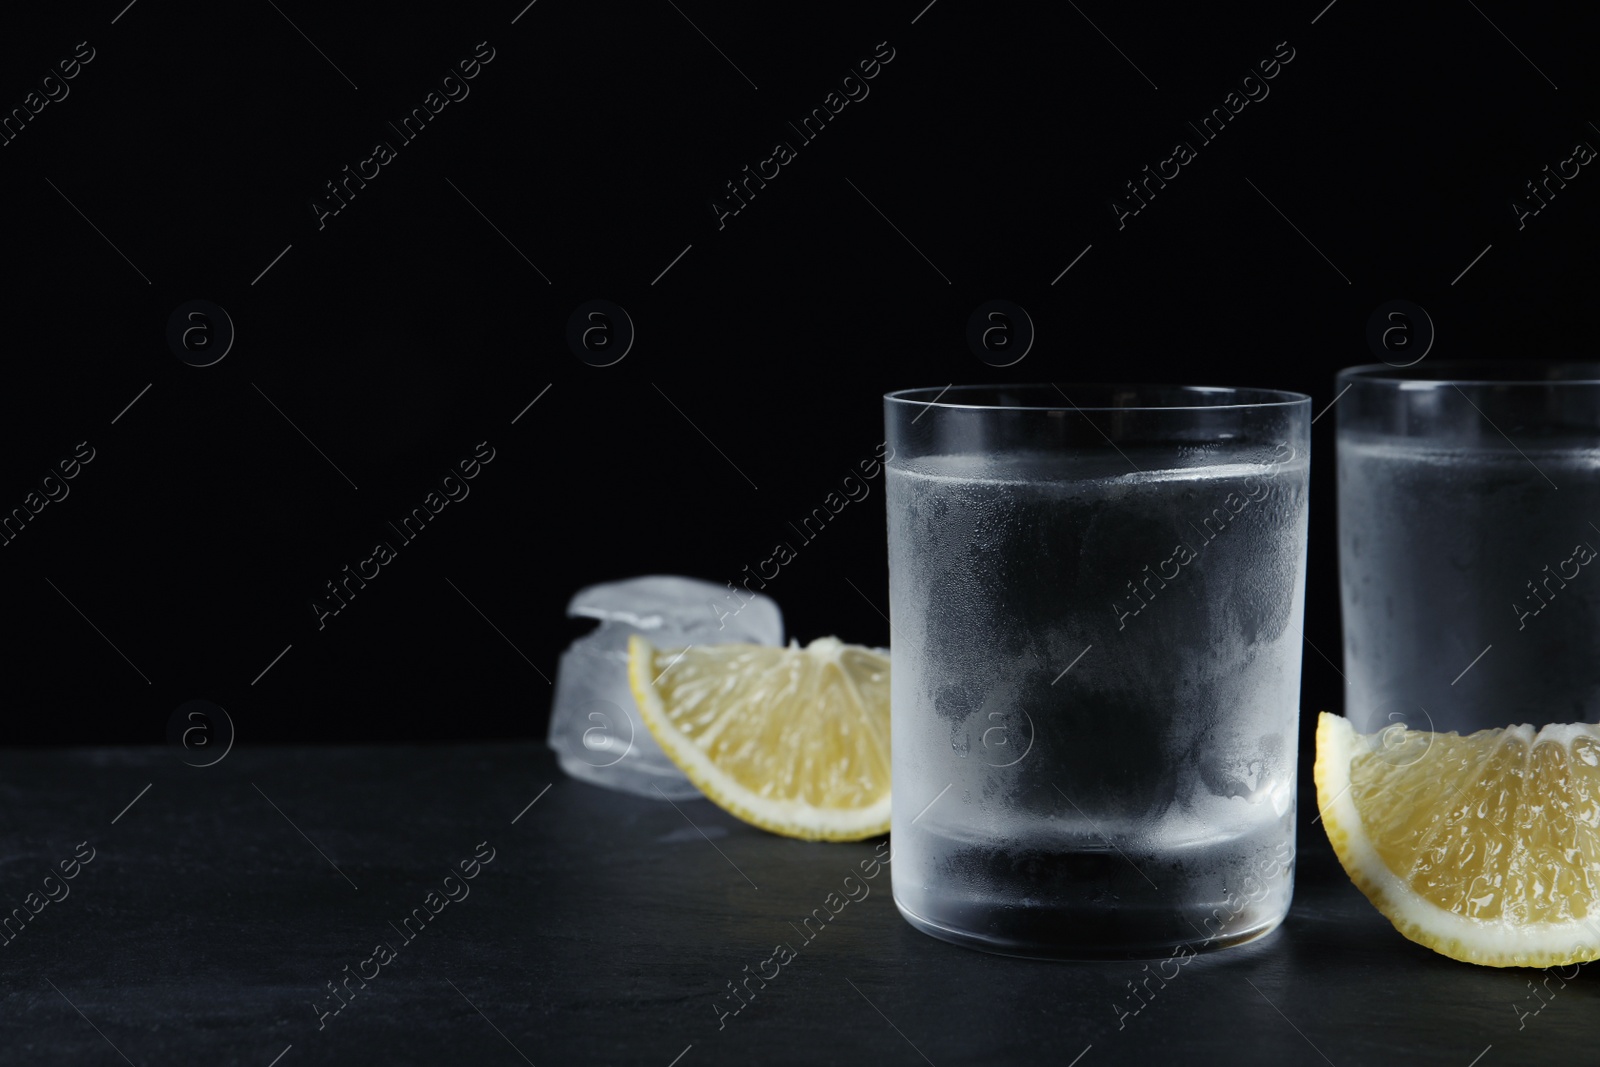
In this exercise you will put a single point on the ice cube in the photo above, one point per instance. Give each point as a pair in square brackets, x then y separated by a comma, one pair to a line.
[595, 727]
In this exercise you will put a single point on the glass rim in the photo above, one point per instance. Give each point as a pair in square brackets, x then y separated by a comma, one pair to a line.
[1266, 398]
[1461, 372]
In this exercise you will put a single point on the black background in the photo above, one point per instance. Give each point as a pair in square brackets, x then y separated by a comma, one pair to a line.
[415, 323]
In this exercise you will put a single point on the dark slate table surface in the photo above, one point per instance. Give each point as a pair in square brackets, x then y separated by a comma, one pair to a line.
[606, 929]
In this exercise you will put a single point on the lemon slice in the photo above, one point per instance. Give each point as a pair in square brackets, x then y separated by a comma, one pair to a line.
[1485, 848]
[794, 740]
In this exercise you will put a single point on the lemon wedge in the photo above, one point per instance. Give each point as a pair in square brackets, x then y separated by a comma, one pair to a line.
[1484, 847]
[793, 740]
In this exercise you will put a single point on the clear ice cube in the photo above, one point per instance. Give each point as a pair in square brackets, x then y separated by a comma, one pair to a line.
[595, 727]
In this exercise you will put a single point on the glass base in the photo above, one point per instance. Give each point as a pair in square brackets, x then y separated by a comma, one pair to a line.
[1095, 933]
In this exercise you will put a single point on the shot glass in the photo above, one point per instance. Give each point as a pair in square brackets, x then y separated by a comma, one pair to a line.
[1469, 498]
[1096, 598]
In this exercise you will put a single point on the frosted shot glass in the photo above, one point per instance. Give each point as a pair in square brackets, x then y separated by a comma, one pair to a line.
[1096, 600]
[1469, 498]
